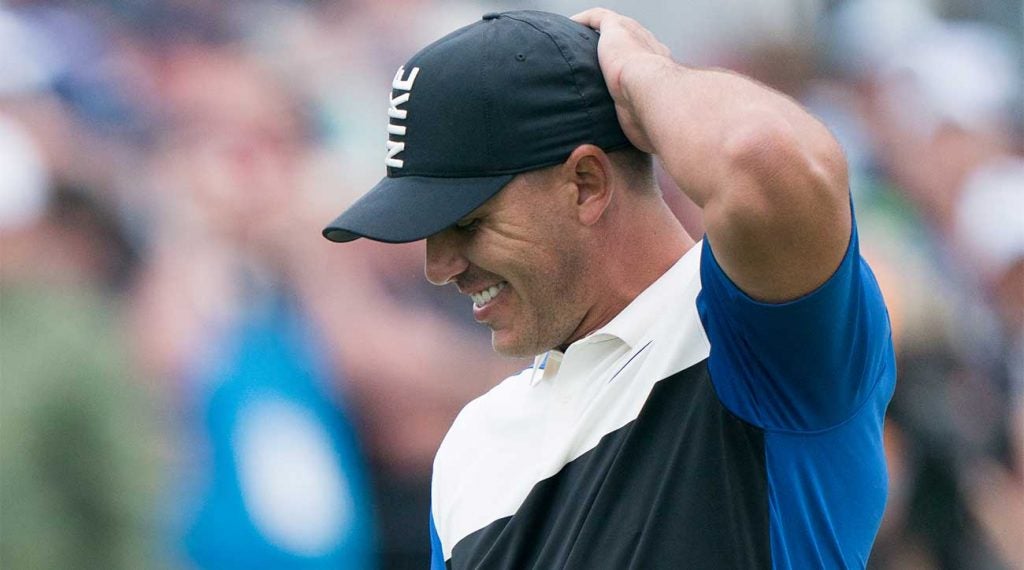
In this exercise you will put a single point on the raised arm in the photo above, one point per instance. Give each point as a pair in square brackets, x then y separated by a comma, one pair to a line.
[770, 178]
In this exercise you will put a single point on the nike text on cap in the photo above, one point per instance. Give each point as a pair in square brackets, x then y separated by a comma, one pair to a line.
[513, 92]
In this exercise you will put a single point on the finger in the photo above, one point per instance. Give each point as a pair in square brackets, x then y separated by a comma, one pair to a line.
[644, 35]
[593, 17]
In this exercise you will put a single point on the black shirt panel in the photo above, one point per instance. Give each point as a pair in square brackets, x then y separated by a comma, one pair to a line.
[683, 485]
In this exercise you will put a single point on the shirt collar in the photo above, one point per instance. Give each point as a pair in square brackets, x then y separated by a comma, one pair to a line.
[632, 322]
[545, 365]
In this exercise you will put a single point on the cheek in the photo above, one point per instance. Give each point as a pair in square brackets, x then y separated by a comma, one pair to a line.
[550, 288]
[536, 276]
[511, 259]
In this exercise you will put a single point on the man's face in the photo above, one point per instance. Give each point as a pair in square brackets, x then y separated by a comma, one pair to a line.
[520, 258]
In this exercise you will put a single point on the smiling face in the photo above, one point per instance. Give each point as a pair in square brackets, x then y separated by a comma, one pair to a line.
[520, 257]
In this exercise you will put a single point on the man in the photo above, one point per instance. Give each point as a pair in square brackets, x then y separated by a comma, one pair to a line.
[692, 405]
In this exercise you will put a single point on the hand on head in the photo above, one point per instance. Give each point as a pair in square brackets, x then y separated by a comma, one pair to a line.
[623, 41]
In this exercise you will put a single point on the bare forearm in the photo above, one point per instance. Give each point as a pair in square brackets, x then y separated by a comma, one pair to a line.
[713, 129]
[770, 178]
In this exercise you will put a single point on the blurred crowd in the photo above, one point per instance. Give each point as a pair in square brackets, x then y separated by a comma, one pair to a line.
[192, 377]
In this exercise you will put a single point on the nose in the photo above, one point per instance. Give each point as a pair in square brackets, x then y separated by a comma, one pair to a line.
[445, 259]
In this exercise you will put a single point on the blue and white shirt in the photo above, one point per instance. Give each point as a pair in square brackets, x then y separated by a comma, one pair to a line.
[698, 429]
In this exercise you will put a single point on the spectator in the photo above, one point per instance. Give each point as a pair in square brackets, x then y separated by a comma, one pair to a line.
[79, 441]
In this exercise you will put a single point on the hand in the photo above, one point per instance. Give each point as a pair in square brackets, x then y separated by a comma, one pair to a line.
[623, 40]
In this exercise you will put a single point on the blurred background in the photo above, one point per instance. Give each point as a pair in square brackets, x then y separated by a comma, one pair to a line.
[191, 377]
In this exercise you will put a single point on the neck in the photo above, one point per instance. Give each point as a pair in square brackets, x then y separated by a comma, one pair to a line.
[625, 266]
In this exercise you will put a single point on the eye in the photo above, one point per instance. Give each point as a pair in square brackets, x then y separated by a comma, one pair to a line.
[467, 225]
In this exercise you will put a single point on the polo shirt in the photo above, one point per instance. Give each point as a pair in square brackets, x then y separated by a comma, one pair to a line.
[699, 428]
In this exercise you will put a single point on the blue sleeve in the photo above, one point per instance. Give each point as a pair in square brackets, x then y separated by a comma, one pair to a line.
[803, 365]
[436, 554]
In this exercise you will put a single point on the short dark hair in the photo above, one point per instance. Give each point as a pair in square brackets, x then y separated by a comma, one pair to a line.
[638, 167]
[635, 164]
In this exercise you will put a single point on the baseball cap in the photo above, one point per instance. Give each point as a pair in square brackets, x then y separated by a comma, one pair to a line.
[512, 92]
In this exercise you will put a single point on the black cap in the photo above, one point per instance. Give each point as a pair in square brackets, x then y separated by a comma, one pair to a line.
[513, 92]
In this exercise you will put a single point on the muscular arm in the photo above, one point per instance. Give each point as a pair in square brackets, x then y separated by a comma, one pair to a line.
[769, 177]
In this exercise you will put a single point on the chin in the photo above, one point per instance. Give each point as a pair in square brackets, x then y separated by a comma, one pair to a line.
[513, 347]
[512, 351]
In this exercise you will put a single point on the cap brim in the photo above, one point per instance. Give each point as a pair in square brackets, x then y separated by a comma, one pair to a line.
[411, 208]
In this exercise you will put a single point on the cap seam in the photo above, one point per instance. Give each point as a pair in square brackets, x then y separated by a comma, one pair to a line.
[488, 101]
[488, 174]
[572, 71]
[516, 170]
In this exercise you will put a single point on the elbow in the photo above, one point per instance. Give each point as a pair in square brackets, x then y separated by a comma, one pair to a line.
[780, 164]
[782, 218]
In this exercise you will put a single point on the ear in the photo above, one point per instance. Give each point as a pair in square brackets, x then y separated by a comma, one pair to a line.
[589, 170]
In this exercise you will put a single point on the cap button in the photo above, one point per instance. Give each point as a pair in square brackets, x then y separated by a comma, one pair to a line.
[491, 16]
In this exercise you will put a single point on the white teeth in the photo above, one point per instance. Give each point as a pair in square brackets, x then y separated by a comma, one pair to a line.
[483, 297]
